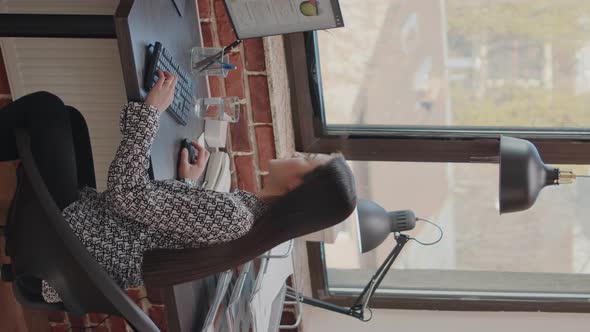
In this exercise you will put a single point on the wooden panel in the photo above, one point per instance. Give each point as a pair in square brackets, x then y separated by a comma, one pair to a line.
[92, 7]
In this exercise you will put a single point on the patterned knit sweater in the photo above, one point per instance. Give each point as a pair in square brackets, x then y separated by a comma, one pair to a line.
[136, 214]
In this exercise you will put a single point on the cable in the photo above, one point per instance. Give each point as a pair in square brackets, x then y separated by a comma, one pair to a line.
[431, 243]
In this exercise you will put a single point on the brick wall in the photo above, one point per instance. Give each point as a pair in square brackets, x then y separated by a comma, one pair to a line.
[251, 140]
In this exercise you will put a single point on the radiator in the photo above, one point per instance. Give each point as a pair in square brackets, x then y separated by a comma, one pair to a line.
[84, 73]
[90, 7]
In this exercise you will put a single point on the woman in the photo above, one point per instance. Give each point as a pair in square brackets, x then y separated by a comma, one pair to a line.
[212, 231]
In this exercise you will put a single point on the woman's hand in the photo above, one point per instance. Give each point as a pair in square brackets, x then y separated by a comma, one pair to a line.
[186, 170]
[162, 93]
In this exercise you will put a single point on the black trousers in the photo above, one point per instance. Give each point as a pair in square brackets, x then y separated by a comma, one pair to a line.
[59, 142]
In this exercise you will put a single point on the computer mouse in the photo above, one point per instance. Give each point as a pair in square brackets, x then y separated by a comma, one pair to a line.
[192, 152]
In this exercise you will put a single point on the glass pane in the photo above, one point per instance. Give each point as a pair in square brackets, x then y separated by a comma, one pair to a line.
[543, 250]
[510, 63]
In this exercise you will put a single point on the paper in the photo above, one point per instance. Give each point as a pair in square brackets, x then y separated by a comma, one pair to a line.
[217, 309]
[258, 18]
[272, 282]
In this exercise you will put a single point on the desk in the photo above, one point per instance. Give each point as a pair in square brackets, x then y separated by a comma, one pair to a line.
[138, 24]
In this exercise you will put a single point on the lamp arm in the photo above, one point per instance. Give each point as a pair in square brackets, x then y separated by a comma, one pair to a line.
[357, 310]
[320, 304]
[365, 296]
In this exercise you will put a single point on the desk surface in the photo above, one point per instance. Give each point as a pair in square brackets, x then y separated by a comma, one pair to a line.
[139, 24]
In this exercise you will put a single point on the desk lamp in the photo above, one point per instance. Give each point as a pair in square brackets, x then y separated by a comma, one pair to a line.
[374, 224]
[523, 174]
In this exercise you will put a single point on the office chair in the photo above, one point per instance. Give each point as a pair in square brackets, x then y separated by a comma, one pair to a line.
[42, 246]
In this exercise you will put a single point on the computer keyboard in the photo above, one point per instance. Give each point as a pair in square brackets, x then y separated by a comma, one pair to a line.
[183, 104]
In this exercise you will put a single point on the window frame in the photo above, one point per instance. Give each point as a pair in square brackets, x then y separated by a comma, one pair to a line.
[319, 289]
[461, 146]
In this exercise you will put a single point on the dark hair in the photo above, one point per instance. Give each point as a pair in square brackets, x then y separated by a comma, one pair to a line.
[326, 197]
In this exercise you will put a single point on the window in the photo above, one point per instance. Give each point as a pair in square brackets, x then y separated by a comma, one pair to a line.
[420, 92]
[447, 76]
[540, 254]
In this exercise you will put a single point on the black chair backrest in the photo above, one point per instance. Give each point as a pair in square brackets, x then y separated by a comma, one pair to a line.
[43, 246]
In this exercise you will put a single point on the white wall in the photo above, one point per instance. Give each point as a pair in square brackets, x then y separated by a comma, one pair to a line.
[318, 320]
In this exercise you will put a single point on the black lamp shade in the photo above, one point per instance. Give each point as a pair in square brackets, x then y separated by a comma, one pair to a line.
[522, 174]
[374, 225]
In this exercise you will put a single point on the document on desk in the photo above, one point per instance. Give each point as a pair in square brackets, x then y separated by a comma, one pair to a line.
[259, 18]
[213, 321]
[237, 312]
[272, 283]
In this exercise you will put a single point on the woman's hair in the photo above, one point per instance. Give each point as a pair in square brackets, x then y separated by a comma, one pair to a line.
[326, 197]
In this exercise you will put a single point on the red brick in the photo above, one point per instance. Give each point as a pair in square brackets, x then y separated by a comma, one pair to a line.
[260, 99]
[288, 318]
[4, 102]
[254, 54]
[263, 180]
[136, 294]
[216, 86]
[101, 328]
[76, 321]
[246, 172]
[224, 28]
[155, 295]
[56, 316]
[204, 8]
[234, 82]
[4, 87]
[59, 328]
[240, 133]
[265, 140]
[207, 34]
[158, 315]
[117, 324]
[94, 319]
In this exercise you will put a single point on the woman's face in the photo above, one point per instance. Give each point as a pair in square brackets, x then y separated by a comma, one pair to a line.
[286, 174]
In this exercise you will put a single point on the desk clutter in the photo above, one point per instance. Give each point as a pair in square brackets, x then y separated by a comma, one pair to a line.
[251, 296]
[210, 61]
[205, 61]
[217, 112]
